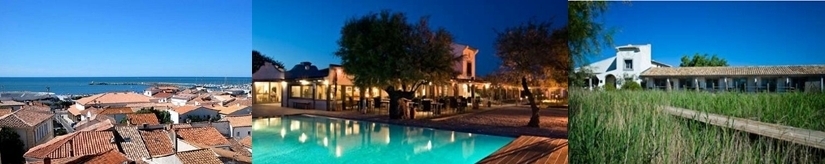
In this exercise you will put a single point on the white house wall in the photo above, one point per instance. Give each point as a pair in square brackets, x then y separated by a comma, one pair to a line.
[641, 62]
[241, 132]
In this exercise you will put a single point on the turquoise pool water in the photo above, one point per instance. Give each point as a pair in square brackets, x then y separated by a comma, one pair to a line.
[310, 139]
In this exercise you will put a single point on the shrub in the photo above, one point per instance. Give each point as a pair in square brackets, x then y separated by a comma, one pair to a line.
[631, 85]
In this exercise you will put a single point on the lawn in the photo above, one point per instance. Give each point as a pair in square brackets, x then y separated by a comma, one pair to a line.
[627, 127]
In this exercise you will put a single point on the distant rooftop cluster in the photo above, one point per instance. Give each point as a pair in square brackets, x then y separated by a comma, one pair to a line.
[164, 124]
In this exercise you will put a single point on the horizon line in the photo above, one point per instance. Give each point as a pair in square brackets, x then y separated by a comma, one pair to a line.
[250, 77]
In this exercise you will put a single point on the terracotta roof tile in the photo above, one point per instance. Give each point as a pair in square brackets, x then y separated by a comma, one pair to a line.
[736, 71]
[239, 148]
[74, 144]
[208, 136]
[97, 126]
[74, 110]
[115, 98]
[132, 143]
[109, 157]
[200, 156]
[229, 109]
[242, 102]
[116, 110]
[26, 117]
[4, 112]
[239, 121]
[185, 96]
[142, 118]
[188, 108]
[158, 142]
[246, 141]
[181, 125]
[163, 95]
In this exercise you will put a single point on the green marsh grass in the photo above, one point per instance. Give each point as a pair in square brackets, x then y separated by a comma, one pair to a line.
[627, 127]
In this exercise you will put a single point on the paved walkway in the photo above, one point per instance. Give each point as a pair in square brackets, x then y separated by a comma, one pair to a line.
[530, 149]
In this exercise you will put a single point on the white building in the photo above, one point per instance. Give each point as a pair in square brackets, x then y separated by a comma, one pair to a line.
[630, 61]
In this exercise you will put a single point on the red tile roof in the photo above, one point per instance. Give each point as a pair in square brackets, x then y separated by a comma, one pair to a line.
[188, 108]
[239, 121]
[246, 141]
[74, 144]
[158, 142]
[74, 110]
[200, 156]
[226, 110]
[133, 144]
[203, 135]
[109, 157]
[116, 110]
[4, 112]
[142, 118]
[26, 117]
[736, 71]
[243, 102]
[114, 98]
[163, 95]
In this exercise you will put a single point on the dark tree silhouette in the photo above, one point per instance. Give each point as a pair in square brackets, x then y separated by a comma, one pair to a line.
[384, 50]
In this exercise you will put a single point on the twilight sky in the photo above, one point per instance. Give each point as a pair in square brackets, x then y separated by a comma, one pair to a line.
[296, 31]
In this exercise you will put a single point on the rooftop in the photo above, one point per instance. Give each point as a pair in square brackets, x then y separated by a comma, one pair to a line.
[74, 144]
[239, 121]
[26, 117]
[736, 71]
[229, 109]
[114, 98]
[158, 142]
[132, 143]
[142, 118]
[200, 156]
[189, 108]
[116, 110]
[208, 136]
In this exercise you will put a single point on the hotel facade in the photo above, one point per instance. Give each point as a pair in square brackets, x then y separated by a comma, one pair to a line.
[633, 62]
[305, 86]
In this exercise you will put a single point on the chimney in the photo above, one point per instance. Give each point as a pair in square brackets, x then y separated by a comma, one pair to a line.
[175, 140]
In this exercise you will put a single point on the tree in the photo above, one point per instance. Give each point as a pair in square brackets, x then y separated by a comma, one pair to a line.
[383, 50]
[12, 150]
[536, 53]
[703, 61]
[259, 59]
[587, 36]
[163, 116]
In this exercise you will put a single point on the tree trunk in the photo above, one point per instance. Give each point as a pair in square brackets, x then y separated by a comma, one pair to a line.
[534, 118]
[395, 112]
[363, 100]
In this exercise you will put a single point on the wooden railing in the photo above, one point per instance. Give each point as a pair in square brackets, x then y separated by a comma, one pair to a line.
[801, 136]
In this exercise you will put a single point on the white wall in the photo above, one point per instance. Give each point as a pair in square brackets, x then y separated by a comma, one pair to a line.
[641, 62]
[241, 132]
[200, 111]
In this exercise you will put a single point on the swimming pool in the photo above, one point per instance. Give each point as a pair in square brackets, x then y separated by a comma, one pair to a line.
[311, 139]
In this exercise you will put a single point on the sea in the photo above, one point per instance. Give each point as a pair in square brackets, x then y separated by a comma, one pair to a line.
[81, 85]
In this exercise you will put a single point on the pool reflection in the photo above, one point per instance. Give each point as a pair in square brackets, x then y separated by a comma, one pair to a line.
[338, 137]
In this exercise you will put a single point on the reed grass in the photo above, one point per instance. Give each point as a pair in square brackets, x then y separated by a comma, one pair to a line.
[627, 127]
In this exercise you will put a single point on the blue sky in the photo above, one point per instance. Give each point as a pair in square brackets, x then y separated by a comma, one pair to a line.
[744, 33]
[125, 38]
[295, 31]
